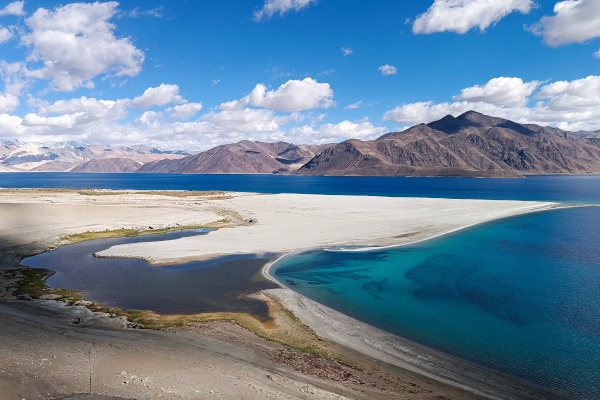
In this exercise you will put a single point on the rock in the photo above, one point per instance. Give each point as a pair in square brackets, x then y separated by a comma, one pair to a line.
[50, 297]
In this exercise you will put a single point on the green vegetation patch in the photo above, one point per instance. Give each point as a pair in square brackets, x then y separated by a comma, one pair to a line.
[32, 282]
[122, 233]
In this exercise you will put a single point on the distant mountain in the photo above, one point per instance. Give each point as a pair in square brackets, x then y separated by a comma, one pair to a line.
[66, 156]
[108, 165]
[245, 157]
[472, 144]
[589, 134]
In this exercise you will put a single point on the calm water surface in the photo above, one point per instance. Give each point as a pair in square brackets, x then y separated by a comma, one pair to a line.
[520, 295]
[191, 288]
[555, 188]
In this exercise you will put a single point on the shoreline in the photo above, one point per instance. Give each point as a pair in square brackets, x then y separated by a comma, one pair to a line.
[381, 346]
[286, 221]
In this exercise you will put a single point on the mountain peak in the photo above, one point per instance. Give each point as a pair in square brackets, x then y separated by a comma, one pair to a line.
[475, 117]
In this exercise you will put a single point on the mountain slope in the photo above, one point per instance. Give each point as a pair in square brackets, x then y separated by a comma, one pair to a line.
[472, 144]
[64, 156]
[108, 165]
[245, 157]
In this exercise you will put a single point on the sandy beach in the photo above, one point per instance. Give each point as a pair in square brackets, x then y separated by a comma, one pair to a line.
[45, 355]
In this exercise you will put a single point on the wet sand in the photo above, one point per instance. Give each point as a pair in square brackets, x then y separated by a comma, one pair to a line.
[43, 355]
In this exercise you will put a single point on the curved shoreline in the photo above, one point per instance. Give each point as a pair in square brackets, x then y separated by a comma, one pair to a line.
[382, 346]
[285, 222]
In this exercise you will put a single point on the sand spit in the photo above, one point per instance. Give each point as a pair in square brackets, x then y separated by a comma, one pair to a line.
[286, 222]
[44, 354]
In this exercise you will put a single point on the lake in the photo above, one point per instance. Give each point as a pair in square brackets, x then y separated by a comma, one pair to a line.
[519, 295]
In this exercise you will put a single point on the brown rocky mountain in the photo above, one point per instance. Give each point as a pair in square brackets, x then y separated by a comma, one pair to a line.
[472, 144]
[108, 165]
[245, 157]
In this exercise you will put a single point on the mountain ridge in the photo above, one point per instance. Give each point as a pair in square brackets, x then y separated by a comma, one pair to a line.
[469, 145]
[472, 144]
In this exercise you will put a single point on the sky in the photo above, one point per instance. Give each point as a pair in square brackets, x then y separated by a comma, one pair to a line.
[191, 75]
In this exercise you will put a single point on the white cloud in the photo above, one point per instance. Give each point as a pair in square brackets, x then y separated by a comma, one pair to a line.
[327, 72]
[578, 95]
[272, 7]
[329, 133]
[159, 96]
[500, 91]
[184, 111]
[460, 16]
[8, 102]
[89, 109]
[347, 51]
[570, 105]
[76, 43]
[66, 121]
[14, 8]
[574, 21]
[10, 126]
[388, 70]
[354, 106]
[415, 113]
[5, 35]
[157, 12]
[149, 118]
[294, 95]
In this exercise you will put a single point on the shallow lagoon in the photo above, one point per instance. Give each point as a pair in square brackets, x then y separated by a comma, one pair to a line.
[195, 287]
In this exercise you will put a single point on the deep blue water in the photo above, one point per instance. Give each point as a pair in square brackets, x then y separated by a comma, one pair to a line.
[520, 295]
[554, 188]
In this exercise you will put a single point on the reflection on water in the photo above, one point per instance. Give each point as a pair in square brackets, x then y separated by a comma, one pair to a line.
[217, 285]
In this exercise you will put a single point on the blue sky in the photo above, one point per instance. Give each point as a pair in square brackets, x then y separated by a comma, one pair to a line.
[196, 74]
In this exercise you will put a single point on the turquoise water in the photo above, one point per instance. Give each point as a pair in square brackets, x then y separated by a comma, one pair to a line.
[520, 295]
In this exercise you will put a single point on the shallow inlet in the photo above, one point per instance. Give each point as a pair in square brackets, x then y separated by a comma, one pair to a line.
[217, 285]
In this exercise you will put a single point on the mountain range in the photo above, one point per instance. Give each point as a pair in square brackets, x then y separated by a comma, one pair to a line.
[472, 144]
[245, 157]
[17, 156]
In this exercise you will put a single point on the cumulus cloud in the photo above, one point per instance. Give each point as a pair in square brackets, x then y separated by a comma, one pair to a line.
[14, 8]
[159, 96]
[580, 95]
[388, 70]
[570, 105]
[76, 43]
[294, 95]
[88, 109]
[460, 16]
[184, 111]
[5, 34]
[272, 7]
[574, 21]
[347, 51]
[500, 91]
[8, 102]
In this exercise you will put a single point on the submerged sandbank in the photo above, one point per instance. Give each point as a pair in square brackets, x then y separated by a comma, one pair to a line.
[380, 346]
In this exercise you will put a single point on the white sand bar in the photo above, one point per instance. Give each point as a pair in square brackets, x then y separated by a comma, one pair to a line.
[286, 222]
